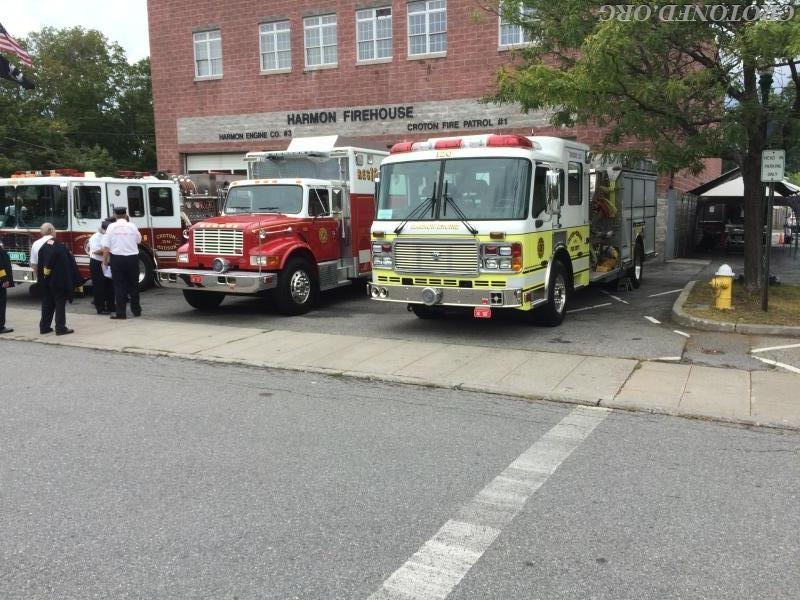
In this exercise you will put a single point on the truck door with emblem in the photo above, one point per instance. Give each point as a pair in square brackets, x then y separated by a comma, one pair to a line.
[324, 228]
[87, 214]
[132, 197]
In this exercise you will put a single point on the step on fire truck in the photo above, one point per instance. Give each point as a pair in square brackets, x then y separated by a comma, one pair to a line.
[299, 224]
[76, 204]
[505, 222]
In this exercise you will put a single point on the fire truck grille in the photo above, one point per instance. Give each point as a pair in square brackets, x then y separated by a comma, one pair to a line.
[219, 242]
[453, 258]
[18, 247]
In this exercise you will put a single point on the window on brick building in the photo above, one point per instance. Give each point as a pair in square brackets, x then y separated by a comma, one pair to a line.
[276, 47]
[427, 27]
[511, 31]
[374, 33]
[208, 54]
[320, 36]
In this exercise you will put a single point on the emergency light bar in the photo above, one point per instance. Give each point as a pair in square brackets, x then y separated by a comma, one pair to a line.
[473, 141]
[264, 156]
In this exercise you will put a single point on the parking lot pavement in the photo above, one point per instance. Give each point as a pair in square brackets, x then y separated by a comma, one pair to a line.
[602, 321]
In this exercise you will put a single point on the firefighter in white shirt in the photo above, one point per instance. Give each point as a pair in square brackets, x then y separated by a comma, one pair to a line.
[102, 285]
[121, 252]
[47, 230]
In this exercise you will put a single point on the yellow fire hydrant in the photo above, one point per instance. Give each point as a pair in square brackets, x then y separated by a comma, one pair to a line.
[723, 287]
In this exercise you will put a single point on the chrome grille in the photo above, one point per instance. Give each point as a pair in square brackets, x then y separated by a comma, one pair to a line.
[219, 242]
[445, 258]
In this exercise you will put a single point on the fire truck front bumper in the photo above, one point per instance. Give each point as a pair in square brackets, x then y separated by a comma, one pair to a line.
[232, 282]
[446, 296]
[22, 274]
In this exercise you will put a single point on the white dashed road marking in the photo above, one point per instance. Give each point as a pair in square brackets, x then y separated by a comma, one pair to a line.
[653, 320]
[443, 561]
[770, 348]
[617, 298]
[665, 293]
[574, 310]
[775, 363]
[683, 333]
[668, 358]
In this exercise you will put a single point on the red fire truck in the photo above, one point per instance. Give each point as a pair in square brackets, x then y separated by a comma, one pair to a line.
[76, 205]
[299, 224]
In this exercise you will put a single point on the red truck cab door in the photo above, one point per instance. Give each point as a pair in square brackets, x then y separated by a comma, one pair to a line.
[324, 229]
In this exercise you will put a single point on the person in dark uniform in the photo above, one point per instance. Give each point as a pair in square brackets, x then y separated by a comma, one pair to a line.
[57, 277]
[6, 281]
[121, 251]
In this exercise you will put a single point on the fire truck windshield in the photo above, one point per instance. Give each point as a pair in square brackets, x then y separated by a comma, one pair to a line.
[481, 188]
[28, 206]
[283, 199]
[301, 167]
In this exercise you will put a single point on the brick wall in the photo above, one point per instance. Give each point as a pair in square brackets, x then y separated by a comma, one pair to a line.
[466, 73]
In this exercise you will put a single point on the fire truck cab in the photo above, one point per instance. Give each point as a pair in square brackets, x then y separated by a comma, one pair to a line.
[76, 206]
[497, 222]
[298, 224]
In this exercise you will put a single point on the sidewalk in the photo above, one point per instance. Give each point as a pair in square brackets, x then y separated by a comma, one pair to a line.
[758, 398]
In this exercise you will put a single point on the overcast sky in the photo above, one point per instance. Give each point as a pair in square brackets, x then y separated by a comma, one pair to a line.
[121, 22]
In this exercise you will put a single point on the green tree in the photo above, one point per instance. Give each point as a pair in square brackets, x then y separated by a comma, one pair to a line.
[678, 91]
[90, 108]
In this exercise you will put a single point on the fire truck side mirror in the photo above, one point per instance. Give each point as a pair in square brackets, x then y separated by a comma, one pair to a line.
[553, 192]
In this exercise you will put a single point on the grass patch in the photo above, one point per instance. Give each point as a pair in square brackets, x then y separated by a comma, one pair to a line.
[784, 305]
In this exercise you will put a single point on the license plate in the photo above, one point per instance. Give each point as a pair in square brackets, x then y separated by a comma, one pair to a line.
[196, 278]
[482, 312]
[18, 256]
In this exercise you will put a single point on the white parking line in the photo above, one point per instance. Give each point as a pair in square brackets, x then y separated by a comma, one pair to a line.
[443, 561]
[770, 348]
[671, 358]
[665, 293]
[679, 332]
[653, 320]
[574, 310]
[775, 363]
[617, 298]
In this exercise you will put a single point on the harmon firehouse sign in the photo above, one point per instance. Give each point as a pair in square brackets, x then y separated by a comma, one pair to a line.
[772, 165]
[396, 119]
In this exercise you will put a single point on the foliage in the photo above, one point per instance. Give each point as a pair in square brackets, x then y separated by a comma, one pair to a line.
[90, 108]
[675, 91]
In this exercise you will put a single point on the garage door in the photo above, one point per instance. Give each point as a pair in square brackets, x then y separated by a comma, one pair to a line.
[202, 163]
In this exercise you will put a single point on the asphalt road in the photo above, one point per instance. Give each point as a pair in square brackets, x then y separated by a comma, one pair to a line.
[131, 477]
[602, 322]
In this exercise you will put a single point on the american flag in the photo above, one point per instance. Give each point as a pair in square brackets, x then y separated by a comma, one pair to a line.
[9, 44]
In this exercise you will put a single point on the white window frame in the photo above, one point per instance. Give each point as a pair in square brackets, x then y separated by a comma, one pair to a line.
[370, 15]
[274, 29]
[523, 36]
[316, 22]
[203, 39]
[430, 7]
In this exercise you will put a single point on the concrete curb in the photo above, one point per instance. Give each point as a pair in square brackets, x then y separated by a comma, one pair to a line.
[683, 318]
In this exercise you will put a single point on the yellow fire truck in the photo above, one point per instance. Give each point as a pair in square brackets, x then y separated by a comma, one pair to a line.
[504, 222]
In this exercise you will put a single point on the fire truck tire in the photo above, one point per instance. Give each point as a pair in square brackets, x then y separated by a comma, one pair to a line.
[297, 288]
[637, 270]
[203, 300]
[425, 312]
[147, 271]
[553, 312]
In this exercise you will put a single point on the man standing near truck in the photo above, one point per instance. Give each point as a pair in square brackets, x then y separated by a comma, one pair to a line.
[6, 281]
[121, 251]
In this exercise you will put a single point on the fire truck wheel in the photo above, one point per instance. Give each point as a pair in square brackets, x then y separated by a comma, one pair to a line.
[147, 271]
[553, 313]
[425, 312]
[297, 288]
[203, 300]
[637, 270]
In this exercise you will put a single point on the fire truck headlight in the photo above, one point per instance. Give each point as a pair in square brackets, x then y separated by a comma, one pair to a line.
[221, 265]
[258, 261]
[183, 257]
[505, 263]
[387, 261]
[491, 263]
[376, 248]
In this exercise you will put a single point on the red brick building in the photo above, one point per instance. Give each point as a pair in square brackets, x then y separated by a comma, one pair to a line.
[239, 75]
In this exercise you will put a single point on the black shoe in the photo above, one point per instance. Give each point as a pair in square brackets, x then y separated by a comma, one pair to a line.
[137, 314]
[66, 331]
[6, 330]
[118, 317]
[44, 331]
[103, 312]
